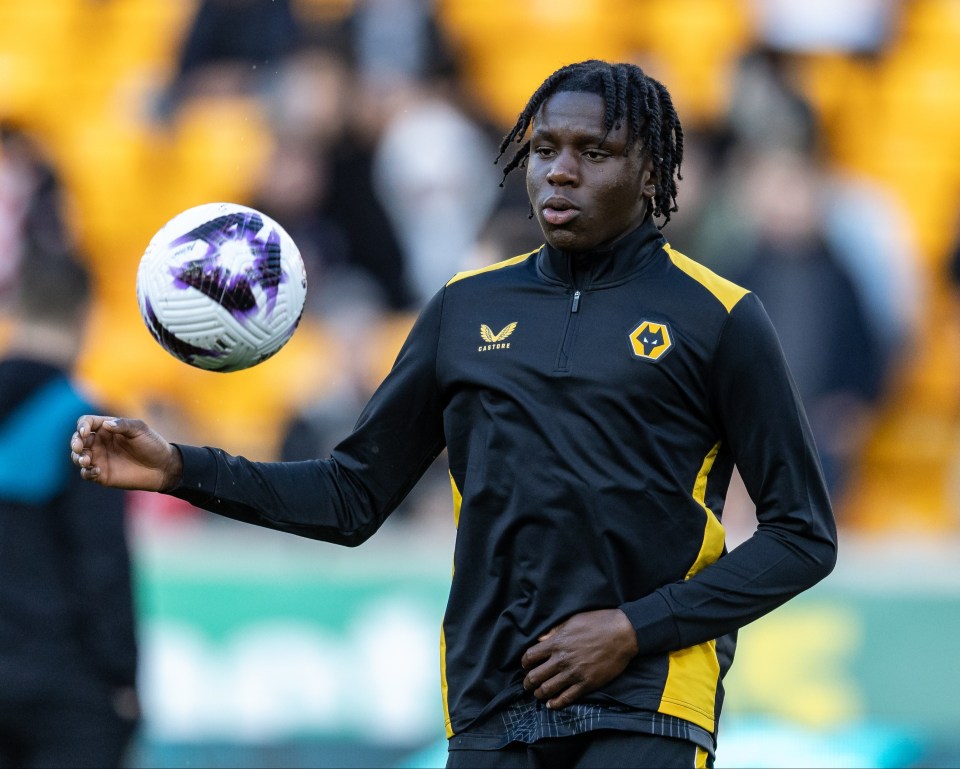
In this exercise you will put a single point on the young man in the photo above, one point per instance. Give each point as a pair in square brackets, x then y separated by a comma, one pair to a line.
[593, 396]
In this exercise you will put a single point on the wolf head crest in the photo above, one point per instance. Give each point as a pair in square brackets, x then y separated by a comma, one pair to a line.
[650, 340]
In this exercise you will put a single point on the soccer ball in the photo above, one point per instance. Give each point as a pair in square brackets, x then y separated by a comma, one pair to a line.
[221, 287]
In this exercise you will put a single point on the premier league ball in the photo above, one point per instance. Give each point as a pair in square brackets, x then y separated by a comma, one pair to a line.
[221, 286]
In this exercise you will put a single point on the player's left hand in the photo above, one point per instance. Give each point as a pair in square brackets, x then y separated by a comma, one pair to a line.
[579, 656]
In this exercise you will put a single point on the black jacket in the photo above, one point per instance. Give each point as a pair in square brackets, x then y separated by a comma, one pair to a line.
[67, 623]
[593, 409]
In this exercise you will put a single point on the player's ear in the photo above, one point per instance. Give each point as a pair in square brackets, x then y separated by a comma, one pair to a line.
[648, 177]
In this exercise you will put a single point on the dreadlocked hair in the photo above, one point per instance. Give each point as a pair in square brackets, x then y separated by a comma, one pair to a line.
[630, 96]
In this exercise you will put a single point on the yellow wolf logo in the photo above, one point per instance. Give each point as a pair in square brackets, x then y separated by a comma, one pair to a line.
[651, 341]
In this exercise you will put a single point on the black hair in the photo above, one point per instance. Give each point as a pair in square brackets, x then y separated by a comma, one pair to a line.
[630, 96]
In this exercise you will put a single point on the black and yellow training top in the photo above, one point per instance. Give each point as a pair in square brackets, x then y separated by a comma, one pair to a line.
[593, 408]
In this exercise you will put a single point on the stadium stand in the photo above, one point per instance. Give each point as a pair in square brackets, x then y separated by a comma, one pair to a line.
[83, 76]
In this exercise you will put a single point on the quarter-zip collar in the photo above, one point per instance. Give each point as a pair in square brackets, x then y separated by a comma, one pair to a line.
[605, 267]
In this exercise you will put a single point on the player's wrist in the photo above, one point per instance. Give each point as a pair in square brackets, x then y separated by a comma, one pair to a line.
[173, 470]
[628, 633]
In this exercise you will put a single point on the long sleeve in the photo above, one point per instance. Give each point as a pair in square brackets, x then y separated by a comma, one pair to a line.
[760, 415]
[345, 498]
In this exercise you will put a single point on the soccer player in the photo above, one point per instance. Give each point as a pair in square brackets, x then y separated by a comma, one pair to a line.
[594, 396]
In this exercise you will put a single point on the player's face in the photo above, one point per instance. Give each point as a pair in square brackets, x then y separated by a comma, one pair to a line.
[586, 188]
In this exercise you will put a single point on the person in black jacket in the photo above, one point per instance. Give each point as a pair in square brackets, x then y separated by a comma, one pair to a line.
[68, 650]
[594, 396]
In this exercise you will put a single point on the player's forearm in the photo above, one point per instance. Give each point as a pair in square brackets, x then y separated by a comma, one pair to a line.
[304, 498]
[761, 574]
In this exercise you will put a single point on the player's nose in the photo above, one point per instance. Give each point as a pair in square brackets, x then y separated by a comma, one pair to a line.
[563, 169]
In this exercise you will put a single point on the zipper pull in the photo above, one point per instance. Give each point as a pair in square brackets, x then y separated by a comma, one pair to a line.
[576, 301]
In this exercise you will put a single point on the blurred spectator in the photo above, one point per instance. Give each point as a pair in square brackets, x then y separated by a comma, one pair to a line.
[870, 234]
[851, 26]
[68, 654]
[865, 226]
[319, 185]
[399, 41]
[766, 110]
[767, 106]
[866, 230]
[31, 203]
[372, 241]
[439, 196]
[703, 219]
[232, 47]
[312, 95]
[829, 254]
[430, 157]
[836, 355]
[375, 220]
[507, 233]
[315, 432]
[403, 186]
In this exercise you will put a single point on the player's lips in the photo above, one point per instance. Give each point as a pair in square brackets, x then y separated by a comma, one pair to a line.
[558, 211]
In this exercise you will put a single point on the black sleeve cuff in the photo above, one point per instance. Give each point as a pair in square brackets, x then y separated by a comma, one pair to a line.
[653, 621]
[199, 478]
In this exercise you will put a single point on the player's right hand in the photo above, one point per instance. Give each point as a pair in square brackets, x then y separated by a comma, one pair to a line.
[124, 454]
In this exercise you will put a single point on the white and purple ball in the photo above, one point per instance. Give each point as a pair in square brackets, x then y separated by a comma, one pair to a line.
[221, 287]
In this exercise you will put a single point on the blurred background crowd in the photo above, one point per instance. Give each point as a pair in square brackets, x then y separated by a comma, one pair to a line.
[821, 170]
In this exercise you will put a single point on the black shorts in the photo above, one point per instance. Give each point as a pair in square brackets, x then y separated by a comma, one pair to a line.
[601, 748]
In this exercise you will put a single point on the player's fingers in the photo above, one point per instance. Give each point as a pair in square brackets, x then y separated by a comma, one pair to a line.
[89, 473]
[113, 424]
[536, 677]
[530, 682]
[80, 455]
[569, 695]
[556, 688]
[533, 678]
[80, 443]
[128, 428]
[87, 424]
[535, 655]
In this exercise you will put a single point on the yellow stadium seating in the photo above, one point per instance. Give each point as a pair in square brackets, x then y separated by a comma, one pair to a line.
[83, 76]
